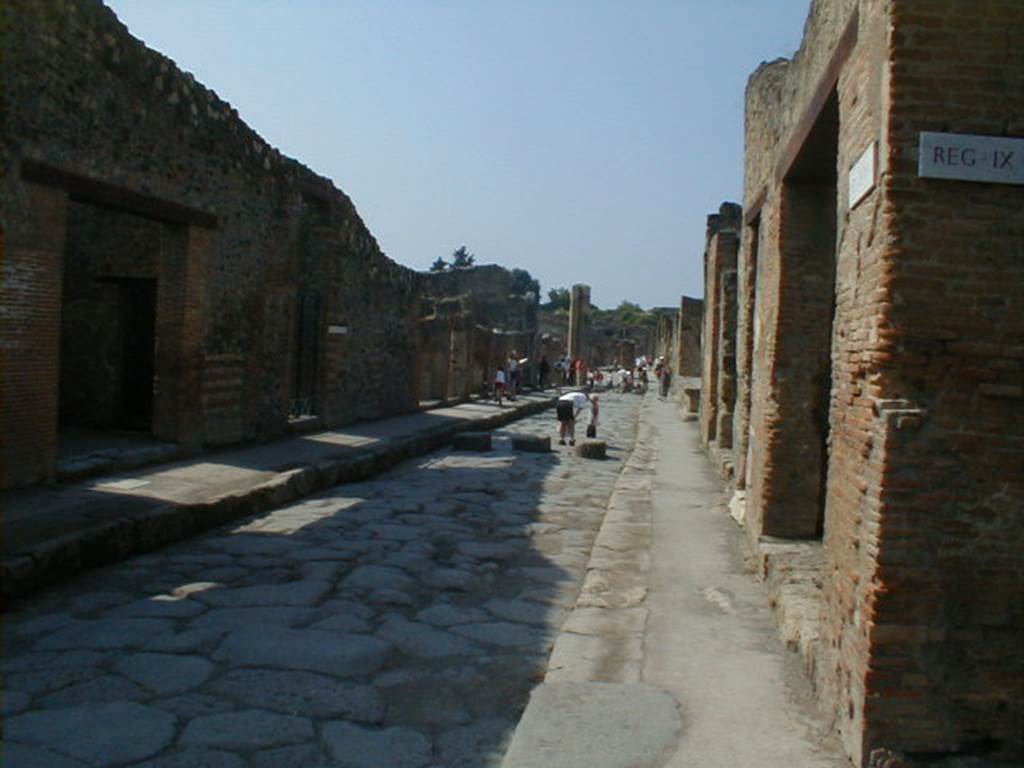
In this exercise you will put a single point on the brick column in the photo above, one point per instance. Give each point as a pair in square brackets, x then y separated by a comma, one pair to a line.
[31, 271]
[180, 326]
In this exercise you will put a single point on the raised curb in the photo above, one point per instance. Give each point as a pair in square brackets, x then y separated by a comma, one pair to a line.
[114, 540]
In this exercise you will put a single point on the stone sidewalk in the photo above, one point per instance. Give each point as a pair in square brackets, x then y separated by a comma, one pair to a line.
[52, 532]
[399, 621]
[670, 656]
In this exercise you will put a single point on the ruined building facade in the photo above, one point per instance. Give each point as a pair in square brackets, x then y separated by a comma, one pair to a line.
[876, 381]
[163, 268]
[472, 321]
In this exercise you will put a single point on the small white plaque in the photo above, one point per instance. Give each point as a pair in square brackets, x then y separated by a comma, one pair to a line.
[965, 157]
[337, 329]
[862, 174]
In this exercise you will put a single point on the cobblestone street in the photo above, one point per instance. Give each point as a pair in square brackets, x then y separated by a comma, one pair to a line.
[397, 622]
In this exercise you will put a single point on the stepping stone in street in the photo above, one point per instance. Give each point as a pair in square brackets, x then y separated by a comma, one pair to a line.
[531, 443]
[472, 441]
[592, 449]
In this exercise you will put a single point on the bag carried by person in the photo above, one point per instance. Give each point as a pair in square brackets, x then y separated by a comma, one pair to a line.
[591, 430]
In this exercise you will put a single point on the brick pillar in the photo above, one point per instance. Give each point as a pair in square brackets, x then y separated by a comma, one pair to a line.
[691, 313]
[578, 306]
[180, 327]
[726, 359]
[31, 271]
[460, 348]
[719, 260]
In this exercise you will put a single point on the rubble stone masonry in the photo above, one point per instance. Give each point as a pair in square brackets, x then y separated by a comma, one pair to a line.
[880, 361]
[271, 294]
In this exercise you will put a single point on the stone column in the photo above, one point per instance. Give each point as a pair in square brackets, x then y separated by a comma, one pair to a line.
[578, 306]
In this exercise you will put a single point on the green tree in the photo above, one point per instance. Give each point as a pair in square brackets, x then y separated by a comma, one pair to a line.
[462, 258]
[523, 282]
[558, 298]
[439, 266]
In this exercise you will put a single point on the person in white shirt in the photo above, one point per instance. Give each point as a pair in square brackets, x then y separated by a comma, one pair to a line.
[568, 408]
[499, 384]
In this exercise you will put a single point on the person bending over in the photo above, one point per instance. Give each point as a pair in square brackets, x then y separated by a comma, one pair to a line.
[568, 409]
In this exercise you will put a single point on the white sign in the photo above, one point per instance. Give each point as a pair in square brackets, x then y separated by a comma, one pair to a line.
[337, 329]
[971, 158]
[862, 174]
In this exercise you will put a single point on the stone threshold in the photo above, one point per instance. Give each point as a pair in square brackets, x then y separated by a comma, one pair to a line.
[119, 537]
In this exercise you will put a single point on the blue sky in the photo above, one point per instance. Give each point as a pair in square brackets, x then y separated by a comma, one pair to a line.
[583, 141]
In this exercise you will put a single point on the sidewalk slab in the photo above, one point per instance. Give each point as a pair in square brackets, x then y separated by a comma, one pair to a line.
[53, 532]
[595, 725]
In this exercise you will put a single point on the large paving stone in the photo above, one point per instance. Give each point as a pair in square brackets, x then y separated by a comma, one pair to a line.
[352, 746]
[595, 725]
[190, 705]
[228, 619]
[35, 681]
[424, 641]
[447, 615]
[86, 733]
[106, 633]
[479, 744]
[21, 756]
[104, 688]
[254, 544]
[305, 693]
[337, 654]
[450, 578]
[295, 593]
[195, 758]
[248, 729]
[165, 673]
[524, 611]
[370, 577]
[504, 634]
[158, 607]
[303, 756]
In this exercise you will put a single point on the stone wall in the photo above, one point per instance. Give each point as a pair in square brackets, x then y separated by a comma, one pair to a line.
[687, 354]
[255, 251]
[879, 365]
[718, 351]
[473, 323]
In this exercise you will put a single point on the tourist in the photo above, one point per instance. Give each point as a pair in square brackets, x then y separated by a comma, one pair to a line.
[499, 384]
[665, 380]
[513, 376]
[568, 409]
[543, 369]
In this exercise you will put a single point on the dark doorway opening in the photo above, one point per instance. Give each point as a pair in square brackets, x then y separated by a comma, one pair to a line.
[108, 335]
[138, 321]
[305, 391]
[809, 216]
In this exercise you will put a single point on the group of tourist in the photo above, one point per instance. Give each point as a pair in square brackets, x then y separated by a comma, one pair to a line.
[637, 378]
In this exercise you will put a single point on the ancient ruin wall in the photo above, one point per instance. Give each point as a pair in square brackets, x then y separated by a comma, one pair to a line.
[844, 49]
[951, 634]
[94, 115]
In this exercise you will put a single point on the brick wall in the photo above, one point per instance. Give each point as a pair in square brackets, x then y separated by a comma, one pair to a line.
[950, 612]
[719, 262]
[691, 312]
[922, 587]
